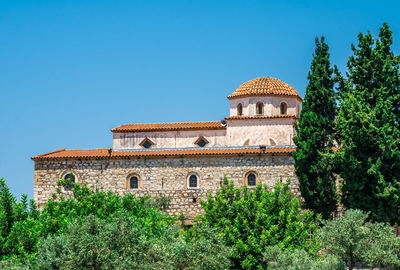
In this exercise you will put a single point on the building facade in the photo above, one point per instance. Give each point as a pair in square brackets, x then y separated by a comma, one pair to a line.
[185, 161]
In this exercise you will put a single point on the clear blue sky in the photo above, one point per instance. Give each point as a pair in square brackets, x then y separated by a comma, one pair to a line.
[71, 70]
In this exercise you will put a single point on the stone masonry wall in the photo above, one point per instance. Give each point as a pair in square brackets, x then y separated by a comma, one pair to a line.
[164, 176]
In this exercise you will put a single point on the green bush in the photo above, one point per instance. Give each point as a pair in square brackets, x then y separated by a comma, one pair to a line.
[22, 225]
[355, 240]
[14, 264]
[298, 259]
[251, 220]
[124, 244]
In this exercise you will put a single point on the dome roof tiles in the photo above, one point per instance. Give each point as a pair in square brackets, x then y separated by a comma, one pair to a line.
[264, 86]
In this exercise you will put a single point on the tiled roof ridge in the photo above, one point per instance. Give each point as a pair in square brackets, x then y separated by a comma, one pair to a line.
[52, 152]
[46, 155]
[172, 122]
[140, 153]
[169, 126]
[243, 117]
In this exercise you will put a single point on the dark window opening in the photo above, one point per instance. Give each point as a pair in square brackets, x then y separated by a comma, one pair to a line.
[201, 141]
[239, 109]
[146, 143]
[283, 108]
[193, 181]
[260, 108]
[134, 182]
[251, 179]
[70, 177]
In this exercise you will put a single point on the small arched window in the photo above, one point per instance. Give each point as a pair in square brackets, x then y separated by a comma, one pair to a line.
[240, 109]
[70, 176]
[193, 181]
[283, 108]
[272, 141]
[260, 108]
[134, 182]
[251, 180]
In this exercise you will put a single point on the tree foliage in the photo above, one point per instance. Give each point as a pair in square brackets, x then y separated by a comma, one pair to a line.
[355, 240]
[369, 128]
[251, 220]
[16, 219]
[22, 225]
[298, 259]
[125, 244]
[314, 162]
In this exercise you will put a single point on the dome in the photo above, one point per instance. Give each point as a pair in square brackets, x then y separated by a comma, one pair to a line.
[264, 86]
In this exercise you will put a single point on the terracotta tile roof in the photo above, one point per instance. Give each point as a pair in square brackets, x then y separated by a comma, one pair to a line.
[169, 126]
[107, 153]
[264, 86]
[64, 153]
[243, 117]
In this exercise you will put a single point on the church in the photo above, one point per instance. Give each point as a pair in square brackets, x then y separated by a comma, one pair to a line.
[185, 161]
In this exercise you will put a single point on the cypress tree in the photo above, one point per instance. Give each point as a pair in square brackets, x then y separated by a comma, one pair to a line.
[369, 128]
[314, 136]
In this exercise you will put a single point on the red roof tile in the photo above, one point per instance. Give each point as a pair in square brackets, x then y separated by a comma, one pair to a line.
[264, 86]
[243, 117]
[107, 153]
[170, 126]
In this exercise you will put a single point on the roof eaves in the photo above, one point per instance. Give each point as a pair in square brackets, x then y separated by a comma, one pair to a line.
[48, 153]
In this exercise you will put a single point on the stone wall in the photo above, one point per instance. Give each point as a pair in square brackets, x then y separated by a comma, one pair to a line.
[164, 176]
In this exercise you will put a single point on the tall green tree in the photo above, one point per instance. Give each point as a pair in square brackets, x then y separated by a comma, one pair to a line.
[314, 161]
[369, 128]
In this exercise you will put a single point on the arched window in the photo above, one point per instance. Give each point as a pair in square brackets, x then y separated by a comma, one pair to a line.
[240, 109]
[272, 141]
[283, 108]
[134, 182]
[251, 179]
[193, 181]
[260, 108]
[70, 176]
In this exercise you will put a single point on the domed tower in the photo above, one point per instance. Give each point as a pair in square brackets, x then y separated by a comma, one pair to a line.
[262, 112]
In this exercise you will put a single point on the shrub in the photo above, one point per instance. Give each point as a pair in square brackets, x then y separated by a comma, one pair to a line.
[298, 259]
[251, 220]
[355, 240]
[124, 244]
[22, 225]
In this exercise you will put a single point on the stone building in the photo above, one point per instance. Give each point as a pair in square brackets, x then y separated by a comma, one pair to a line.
[187, 160]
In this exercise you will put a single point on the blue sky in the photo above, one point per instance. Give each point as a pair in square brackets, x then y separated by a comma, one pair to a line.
[72, 70]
